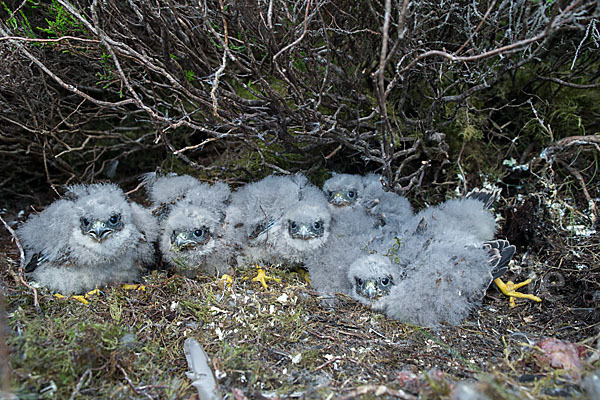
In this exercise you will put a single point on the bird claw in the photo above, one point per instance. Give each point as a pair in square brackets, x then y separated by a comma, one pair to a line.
[83, 299]
[134, 286]
[304, 275]
[262, 277]
[510, 289]
[227, 279]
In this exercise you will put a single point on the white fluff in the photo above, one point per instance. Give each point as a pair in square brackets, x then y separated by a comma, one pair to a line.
[435, 270]
[464, 219]
[185, 205]
[389, 209]
[347, 192]
[351, 237]
[261, 216]
[63, 257]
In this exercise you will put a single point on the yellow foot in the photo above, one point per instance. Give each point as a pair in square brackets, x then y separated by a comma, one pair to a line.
[262, 277]
[134, 286]
[227, 279]
[304, 275]
[510, 289]
[83, 299]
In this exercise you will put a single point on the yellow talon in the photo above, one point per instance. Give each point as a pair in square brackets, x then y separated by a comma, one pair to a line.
[227, 279]
[510, 289]
[82, 298]
[134, 286]
[304, 275]
[262, 277]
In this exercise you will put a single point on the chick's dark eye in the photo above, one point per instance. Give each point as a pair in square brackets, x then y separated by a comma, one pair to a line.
[351, 194]
[85, 221]
[114, 219]
[360, 281]
[198, 232]
[317, 225]
[385, 281]
[293, 225]
[330, 193]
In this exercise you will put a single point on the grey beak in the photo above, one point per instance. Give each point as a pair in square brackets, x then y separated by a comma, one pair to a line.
[338, 200]
[99, 231]
[304, 232]
[371, 289]
[182, 240]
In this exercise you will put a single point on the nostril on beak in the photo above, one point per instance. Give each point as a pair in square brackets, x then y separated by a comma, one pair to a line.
[371, 289]
[304, 233]
[180, 241]
[99, 232]
[337, 200]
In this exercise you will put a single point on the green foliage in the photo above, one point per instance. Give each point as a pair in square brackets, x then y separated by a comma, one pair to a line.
[190, 75]
[61, 22]
[21, 24]
[237, 48]
[551, 112]
[320, 175]
[107, 76]
[298, 61]
[53, 352]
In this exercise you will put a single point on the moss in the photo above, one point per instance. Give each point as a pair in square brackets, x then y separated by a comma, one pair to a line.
[60, 349]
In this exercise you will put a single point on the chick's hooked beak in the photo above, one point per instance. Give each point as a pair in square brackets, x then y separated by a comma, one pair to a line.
[370, 289]
[338, 200]
[99, 231]
[304, 233]
[182, 240]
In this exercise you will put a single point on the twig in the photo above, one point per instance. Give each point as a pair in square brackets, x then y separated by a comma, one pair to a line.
[321, 336]
[20, 6]
[386, 143]
[493, 52]
[138, 187]
[207, 141]
[577, 175]
[107, 41]
[60, 39]
[326, 363]
[215, 86]
[62, 83]
[377, 390]
[487, 13]
[137, 390]
[570, 84]
[564, 143]
[83, 378]
[17, 242]
[299, 39]
[382, 56]
[36, 304]
[333, 152]
[462, 173]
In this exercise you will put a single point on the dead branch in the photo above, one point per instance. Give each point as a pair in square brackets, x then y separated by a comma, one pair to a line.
[284, 88]
[586, 193]
[21, 268]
